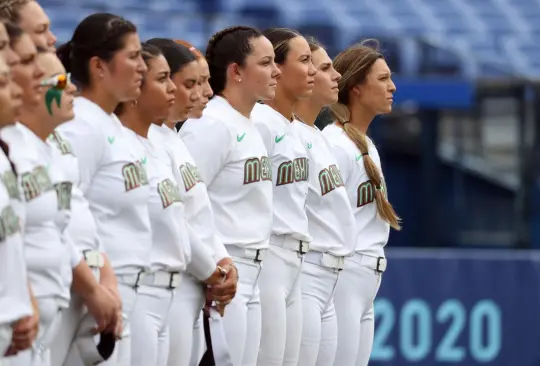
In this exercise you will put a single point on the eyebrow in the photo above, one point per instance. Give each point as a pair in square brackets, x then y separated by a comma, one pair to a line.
[266, 57]
[325, 64]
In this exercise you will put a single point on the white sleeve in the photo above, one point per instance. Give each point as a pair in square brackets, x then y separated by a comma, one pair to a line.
[89, 147]
[343, 161]
[209, 143]
[202, 264]
[266, 136]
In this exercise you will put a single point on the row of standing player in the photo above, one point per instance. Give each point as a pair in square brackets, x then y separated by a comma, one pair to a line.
[227, 148]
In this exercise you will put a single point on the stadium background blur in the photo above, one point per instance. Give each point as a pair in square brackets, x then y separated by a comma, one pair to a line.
[458, 153]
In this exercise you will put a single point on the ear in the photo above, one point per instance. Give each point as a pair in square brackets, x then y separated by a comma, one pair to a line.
[356, 91]
[234, 73]
[97, 67]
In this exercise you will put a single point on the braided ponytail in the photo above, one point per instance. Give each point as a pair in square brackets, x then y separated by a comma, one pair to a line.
[230, 45]
[354, 64]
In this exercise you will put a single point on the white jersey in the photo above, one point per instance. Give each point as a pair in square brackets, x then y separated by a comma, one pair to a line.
[115, 184]
[170, 244]
[14, 296]
[193, 192]
[81, 228]
[49, 256]
[290, 172]
[330, 217]
[234, 164]
[372, 231]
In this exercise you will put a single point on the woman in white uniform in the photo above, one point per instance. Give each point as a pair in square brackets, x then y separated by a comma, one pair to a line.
[50, 255]
[171, 249]
[24, 330]
[186, 346]
[365, 91]
[281, 298]
[81, 230]
[15, 302]
[234, 164]
[331, 224]
[104, 58]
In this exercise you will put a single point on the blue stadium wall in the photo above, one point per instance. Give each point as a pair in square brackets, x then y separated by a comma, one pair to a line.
[458, 307]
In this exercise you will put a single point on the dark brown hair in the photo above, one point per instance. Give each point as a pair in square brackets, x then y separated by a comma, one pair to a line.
[230, 45]
[280, 38]
[354, 64]
[98, 35]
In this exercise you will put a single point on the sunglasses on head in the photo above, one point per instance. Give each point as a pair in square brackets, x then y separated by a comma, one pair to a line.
[58, 82]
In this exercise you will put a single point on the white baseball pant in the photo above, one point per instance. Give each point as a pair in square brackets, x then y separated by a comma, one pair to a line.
[49, 324]
[281, 307]
[356, 289]
[63, 350]
[242, 320]
[319, 327]
[128, 295]
[186, 333]
[149, 326]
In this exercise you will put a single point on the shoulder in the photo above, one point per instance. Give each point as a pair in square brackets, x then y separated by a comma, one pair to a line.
[207, 126]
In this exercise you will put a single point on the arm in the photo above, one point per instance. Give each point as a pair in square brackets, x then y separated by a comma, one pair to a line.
[26, 329]
[202, 264]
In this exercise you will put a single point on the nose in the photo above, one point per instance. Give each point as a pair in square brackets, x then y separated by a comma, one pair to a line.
[38, 72]
[208, 92]
[142, 68]
[195, 96]
[171, 88]
[71, 88]
[276, 71]
[392, 86]
[337, 76]
[312, 71]
[51, 39]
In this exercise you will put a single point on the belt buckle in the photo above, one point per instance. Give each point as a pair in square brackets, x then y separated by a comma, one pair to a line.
[303, 247]
[381, 265]
[140, 276]
[173, 280]
[340, 263]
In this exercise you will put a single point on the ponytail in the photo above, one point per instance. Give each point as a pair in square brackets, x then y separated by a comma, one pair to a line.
[64, 54]
[384, 208]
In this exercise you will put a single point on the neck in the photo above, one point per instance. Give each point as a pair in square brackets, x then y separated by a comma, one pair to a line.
[307, 110]
[136, 121]
[40, 126]
[361, 119]
[240, 104]
[104, 100]
[283, 104]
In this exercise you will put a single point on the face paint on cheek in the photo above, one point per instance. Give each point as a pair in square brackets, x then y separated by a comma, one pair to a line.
[53, 94]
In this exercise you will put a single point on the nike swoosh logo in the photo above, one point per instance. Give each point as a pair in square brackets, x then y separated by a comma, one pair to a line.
[279, 138]
[111, 139]
[240, 137]
[358, 157]
[144, 160]
[309, 145]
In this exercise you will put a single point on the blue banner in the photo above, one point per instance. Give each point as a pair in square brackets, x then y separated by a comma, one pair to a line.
[458, 307]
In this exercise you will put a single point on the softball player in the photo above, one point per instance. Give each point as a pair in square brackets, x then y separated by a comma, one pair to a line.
[49, 256]
[281, 298]
[233, 163]
[104, 57]
[360, 166]
[77, 221]
[187, 346]
[15, 300]
[331, 223]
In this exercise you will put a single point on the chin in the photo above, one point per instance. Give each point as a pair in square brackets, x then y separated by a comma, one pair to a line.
[268, 96]
[196, 114]
[131, 95]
